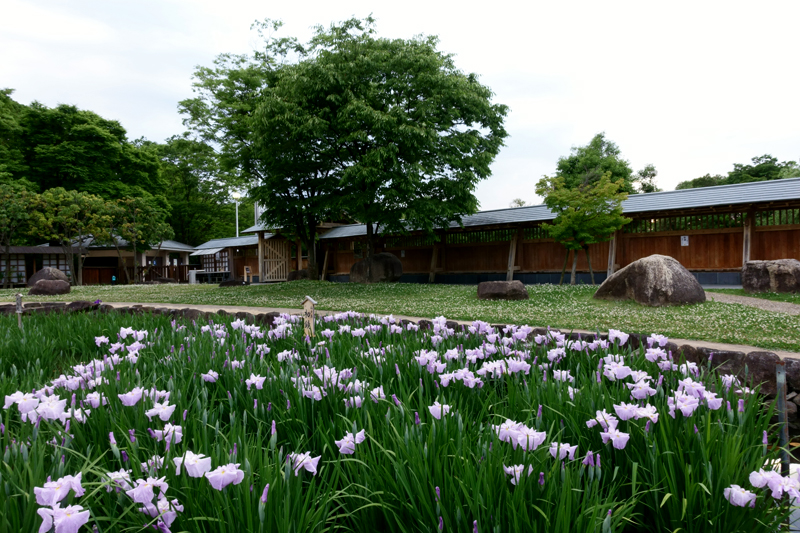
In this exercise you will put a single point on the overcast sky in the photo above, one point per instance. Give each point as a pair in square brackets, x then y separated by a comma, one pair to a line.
[691, 87]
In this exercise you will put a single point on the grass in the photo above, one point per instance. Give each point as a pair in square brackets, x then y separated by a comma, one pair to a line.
[774, 296]
[549, 305]
[413, 472]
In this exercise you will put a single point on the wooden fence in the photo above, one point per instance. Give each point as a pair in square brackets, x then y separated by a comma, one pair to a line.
[712, 242]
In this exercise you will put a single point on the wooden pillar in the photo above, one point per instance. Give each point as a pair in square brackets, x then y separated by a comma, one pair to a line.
[612, 254]
[299, 255]
[520, 260]
[260, 256]
[325, 263]
[512, 256]
[432, 274]
[747, 240]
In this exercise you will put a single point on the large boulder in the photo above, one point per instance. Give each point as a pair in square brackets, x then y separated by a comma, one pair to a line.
[761, 371]
[655, 280]
[502, 290]
[48, 287]
[48, 273]
[385, 267]
[234, 283]
[781, 275]
[295, 275]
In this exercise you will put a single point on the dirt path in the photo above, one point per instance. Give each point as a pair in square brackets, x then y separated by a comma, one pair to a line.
[257, 310]
[767, 305]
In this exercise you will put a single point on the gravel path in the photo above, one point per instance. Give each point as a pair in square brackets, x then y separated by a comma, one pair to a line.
[767, 305]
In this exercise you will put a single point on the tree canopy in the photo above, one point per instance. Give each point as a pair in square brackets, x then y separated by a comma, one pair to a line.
[586, 214]
[761, 168]
[587, 164]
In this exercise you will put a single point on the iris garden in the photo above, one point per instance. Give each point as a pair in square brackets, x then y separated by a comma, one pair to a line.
[118, 423]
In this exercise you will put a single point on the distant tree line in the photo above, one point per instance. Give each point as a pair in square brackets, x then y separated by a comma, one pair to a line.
[43, 148]
[761, 168]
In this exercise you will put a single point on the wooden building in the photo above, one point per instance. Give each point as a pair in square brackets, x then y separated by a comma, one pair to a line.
[711, 231]
[27, 260]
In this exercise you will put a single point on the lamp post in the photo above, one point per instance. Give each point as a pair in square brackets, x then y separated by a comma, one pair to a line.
[236, 197]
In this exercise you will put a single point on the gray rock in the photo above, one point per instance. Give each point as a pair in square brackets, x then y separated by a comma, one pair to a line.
[425, 325]
[48, 273]
[656, 280]
[792, 373]
[384, 268]
[780, 275]
[47, 287]
[166, 280]
[295, 275]
[191, 314]
[234, 283]
[247, 317]
[691, 354]
[728, 363]
[761, 370]
[267, 319]
[81, 306]
[502, 290]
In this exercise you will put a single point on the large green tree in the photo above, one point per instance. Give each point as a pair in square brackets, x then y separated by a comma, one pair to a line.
[141, 222]
[16, 205]
[587, 164]
[199, 192]
[74, 149]
[71, 218]
[586, 214]
[387, 131]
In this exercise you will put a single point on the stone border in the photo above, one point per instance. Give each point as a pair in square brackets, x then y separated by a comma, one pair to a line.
[753, 368]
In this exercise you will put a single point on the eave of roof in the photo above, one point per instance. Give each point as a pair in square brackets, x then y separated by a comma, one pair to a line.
[762, 192]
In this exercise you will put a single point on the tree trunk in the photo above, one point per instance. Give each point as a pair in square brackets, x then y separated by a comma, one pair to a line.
[370, 251]
[563, 270]
[80, 267]
[574, 266]
[123, 262]
[7, 273]
[589, 259]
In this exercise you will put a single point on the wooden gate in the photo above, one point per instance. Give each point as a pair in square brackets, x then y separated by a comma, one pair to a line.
[277, 257]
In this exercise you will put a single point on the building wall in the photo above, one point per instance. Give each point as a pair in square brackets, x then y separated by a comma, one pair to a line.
[715, 255]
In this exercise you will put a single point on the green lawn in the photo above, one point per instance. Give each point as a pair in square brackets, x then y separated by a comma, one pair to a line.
[775, 296]
[562, 307]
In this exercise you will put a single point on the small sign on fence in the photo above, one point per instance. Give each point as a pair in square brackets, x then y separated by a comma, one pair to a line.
[684, 240]
[308, 316]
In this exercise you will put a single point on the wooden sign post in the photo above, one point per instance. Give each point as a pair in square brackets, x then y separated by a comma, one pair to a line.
[19, 310]
[308, 316]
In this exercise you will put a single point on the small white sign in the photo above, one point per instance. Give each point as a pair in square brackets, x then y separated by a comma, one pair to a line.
[684, 240]
[402, 253]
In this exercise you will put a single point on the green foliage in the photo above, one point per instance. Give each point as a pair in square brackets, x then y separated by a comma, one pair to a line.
[669, 477]
[414, 133]
[141, 222]
[199, 192]
[645, 179]
[762, 168]
[12, 160]
[590, 163]
[79, 150]
[586, 214]
[16, 205]
[71, 218]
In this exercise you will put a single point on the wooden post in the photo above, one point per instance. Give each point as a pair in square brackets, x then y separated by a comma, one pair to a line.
[512, 256]
[308, 316]
[261, 257]
[299, 255]
[432, 274]
[19, 308]
[747, 236]
[612, 254]
[325, 263]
